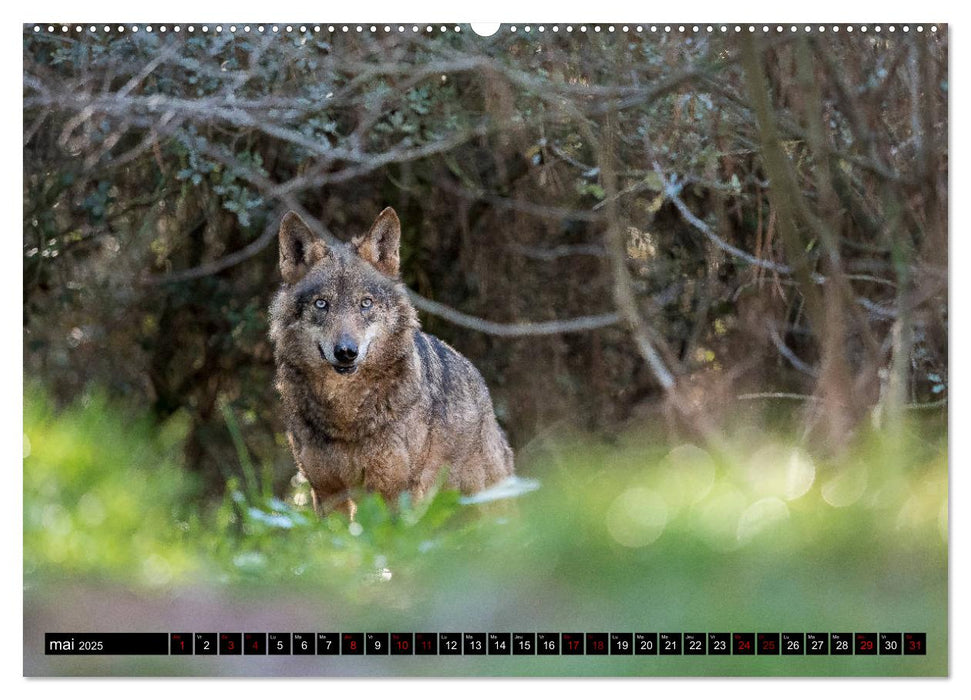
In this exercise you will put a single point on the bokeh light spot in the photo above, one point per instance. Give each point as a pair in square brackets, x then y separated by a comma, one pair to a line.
[689, 474]
[637, 517]
[762, 515]
[786, 473]
[846, 488]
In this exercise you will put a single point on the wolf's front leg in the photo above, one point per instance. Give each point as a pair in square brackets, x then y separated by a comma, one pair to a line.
[326, 502]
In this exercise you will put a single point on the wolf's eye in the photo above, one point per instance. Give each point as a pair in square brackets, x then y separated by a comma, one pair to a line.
[321, 303]
[366, 303]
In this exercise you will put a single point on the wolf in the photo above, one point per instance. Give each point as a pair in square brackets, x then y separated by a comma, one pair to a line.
[371, 402]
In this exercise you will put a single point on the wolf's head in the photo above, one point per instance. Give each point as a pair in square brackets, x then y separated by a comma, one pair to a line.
[341, 306]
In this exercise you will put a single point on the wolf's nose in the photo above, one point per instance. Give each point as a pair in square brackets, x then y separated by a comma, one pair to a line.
[345, 351]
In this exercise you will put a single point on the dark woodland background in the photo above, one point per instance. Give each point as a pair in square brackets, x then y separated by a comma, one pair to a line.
[678, 231]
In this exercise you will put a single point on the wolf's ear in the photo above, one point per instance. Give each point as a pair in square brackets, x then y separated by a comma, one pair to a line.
[380, 245]
[300, 248]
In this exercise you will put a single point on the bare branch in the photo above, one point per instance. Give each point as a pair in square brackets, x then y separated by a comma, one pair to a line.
[623, 294]
[537, 210]
[776, 395]
[370, 162]
[672, 190]
[223, 263]
[513, 330]
[930, 405]
[557, 252]
[787, 353]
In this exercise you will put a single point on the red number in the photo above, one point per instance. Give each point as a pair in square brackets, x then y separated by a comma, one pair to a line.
[353, 645]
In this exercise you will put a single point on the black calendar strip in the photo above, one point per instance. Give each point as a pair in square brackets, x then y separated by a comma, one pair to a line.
[489, 643]
[107, 643]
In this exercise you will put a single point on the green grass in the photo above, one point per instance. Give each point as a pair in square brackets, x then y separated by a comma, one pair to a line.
[629, 536]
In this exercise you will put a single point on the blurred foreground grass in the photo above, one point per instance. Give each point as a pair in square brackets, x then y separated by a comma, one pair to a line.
[627, 536]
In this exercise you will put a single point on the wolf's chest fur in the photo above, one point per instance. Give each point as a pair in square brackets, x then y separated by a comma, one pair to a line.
[346, 428]
[371, 402]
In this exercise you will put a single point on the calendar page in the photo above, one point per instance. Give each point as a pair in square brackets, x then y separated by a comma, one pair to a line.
[531, 350]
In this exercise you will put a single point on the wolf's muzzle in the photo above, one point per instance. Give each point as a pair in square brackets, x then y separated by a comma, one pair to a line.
[345, 351]
[345, 354]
